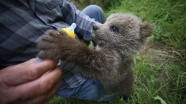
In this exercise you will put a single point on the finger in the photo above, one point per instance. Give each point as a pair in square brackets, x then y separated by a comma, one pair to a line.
[44, 97]
[26, 72]
[38, 87]
[46, 45]
[29, 61]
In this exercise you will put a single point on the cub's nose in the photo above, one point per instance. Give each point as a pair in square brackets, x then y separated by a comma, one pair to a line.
[95, 27]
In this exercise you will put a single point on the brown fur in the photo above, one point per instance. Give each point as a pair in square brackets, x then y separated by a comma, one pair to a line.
[120, 37]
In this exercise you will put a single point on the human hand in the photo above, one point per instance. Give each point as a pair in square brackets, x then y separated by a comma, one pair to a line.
[29, 82]
[58, 45]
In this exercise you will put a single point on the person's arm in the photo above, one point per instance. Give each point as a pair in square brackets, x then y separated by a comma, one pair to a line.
[29, 82]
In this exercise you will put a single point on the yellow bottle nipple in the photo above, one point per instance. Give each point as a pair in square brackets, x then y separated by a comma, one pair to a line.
[70, 30]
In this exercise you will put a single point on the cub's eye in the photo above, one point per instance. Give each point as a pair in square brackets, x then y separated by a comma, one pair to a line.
[114, 29]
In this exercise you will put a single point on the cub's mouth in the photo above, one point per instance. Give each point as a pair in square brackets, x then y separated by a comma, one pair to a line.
[97, 40]
[94, 40]
[97, 37]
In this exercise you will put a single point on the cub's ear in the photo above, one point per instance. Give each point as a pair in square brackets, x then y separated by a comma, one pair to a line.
[145, 29]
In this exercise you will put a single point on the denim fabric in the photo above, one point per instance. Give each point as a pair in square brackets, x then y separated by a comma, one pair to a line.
[91, 89]
[95, 12]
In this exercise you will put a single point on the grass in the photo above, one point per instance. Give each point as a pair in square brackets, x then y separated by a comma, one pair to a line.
[160, 70]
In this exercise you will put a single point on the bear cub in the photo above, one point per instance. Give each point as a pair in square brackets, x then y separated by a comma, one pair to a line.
[117, 40]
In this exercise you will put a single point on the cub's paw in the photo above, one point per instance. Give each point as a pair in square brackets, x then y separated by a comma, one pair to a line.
[50, 45]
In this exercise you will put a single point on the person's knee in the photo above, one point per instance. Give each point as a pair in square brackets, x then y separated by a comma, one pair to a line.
[95, 9]
[96, 12]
